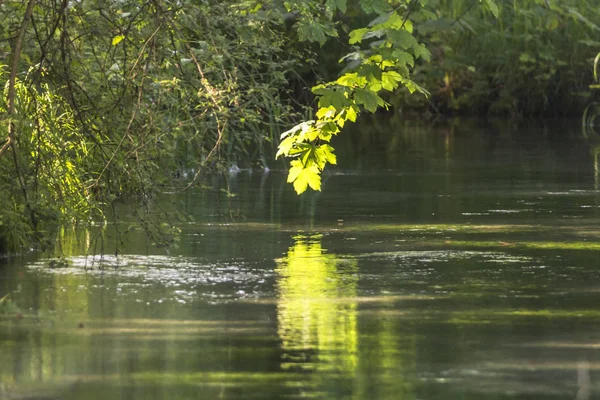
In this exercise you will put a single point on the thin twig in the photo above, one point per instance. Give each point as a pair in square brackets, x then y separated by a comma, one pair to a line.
[6, 145]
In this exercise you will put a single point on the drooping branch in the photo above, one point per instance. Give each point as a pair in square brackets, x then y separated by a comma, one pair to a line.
[16, 55]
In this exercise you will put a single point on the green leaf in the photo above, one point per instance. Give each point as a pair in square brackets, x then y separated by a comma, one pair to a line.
[356, 35]
[312, 134]
[403, 57]
[325, 154]
[370, 72]
[352, 79]
[326, 112]
[316, 32]
[302, 127]
[351, 114]
[374, 34]
[413, 87]
[327, 129]
[375, 6]
[331, 97]
[117, 39]
[339, 4]
[422, 52]
[295, 169]
[303, 177]
[493, 7]
[402, 39]
[391, 21]
[390, 80]
[369, 99]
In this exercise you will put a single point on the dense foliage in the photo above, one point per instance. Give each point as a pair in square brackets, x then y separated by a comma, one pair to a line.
[529, 63]
[533, 59]
[112, 99]
[105, 100]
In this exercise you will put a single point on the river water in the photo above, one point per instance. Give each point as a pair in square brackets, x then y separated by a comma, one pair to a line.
[458, 261]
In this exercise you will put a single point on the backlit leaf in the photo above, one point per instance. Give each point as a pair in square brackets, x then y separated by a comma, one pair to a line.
[117, 39]
[303, 177]
[351, 114]
[356, 35]
[390, 80]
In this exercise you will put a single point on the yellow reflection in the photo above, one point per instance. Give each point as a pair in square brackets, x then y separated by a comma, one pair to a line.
[318, 332]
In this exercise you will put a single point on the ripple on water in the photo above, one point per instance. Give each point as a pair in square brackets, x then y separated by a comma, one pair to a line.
[184, 276]
[446, 255]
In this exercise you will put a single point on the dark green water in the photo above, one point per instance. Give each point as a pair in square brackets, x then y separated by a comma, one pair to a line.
[438, 263]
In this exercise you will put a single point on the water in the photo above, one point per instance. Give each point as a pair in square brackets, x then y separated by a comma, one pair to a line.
[457, 262]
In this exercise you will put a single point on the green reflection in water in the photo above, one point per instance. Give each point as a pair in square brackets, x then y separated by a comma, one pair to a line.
[323, 335]
[317, 325]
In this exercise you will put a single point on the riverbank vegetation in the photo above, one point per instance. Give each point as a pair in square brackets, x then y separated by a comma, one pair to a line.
[121, 100]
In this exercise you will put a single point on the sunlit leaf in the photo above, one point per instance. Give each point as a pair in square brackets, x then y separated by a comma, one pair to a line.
[390, 80]
[117, 39]
[351, 80]
[351, 114]
[296, 168]
[356, 35]
[303, 177]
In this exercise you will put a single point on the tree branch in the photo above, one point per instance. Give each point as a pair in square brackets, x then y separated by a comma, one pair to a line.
[6, 145]
[16, 55]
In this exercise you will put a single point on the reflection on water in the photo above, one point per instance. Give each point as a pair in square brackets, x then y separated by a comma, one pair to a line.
[442, 263]
[317, 309]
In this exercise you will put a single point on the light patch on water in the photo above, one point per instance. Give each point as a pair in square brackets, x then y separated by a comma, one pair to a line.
[541, 365]
[183, 275]
[487, 380]
[562, 345]
[447, 255]
[511, 211]
[363, 299]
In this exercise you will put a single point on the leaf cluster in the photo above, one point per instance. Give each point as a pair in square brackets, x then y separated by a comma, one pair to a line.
[384, 53]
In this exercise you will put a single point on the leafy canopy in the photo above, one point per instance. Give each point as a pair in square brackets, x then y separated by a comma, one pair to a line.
[382, 58]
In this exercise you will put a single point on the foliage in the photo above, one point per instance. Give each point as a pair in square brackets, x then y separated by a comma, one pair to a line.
[113, 100]
[384, 53]
[533, 58]
[104, 101]
[521, 58]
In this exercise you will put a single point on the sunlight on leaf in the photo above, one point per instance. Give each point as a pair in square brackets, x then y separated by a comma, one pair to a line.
[117, 39]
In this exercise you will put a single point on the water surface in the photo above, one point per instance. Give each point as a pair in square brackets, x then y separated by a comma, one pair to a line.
[450, 262]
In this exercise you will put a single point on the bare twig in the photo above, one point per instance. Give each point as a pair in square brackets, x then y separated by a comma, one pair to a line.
[135, 111]
[212, 95]
[6, 145]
